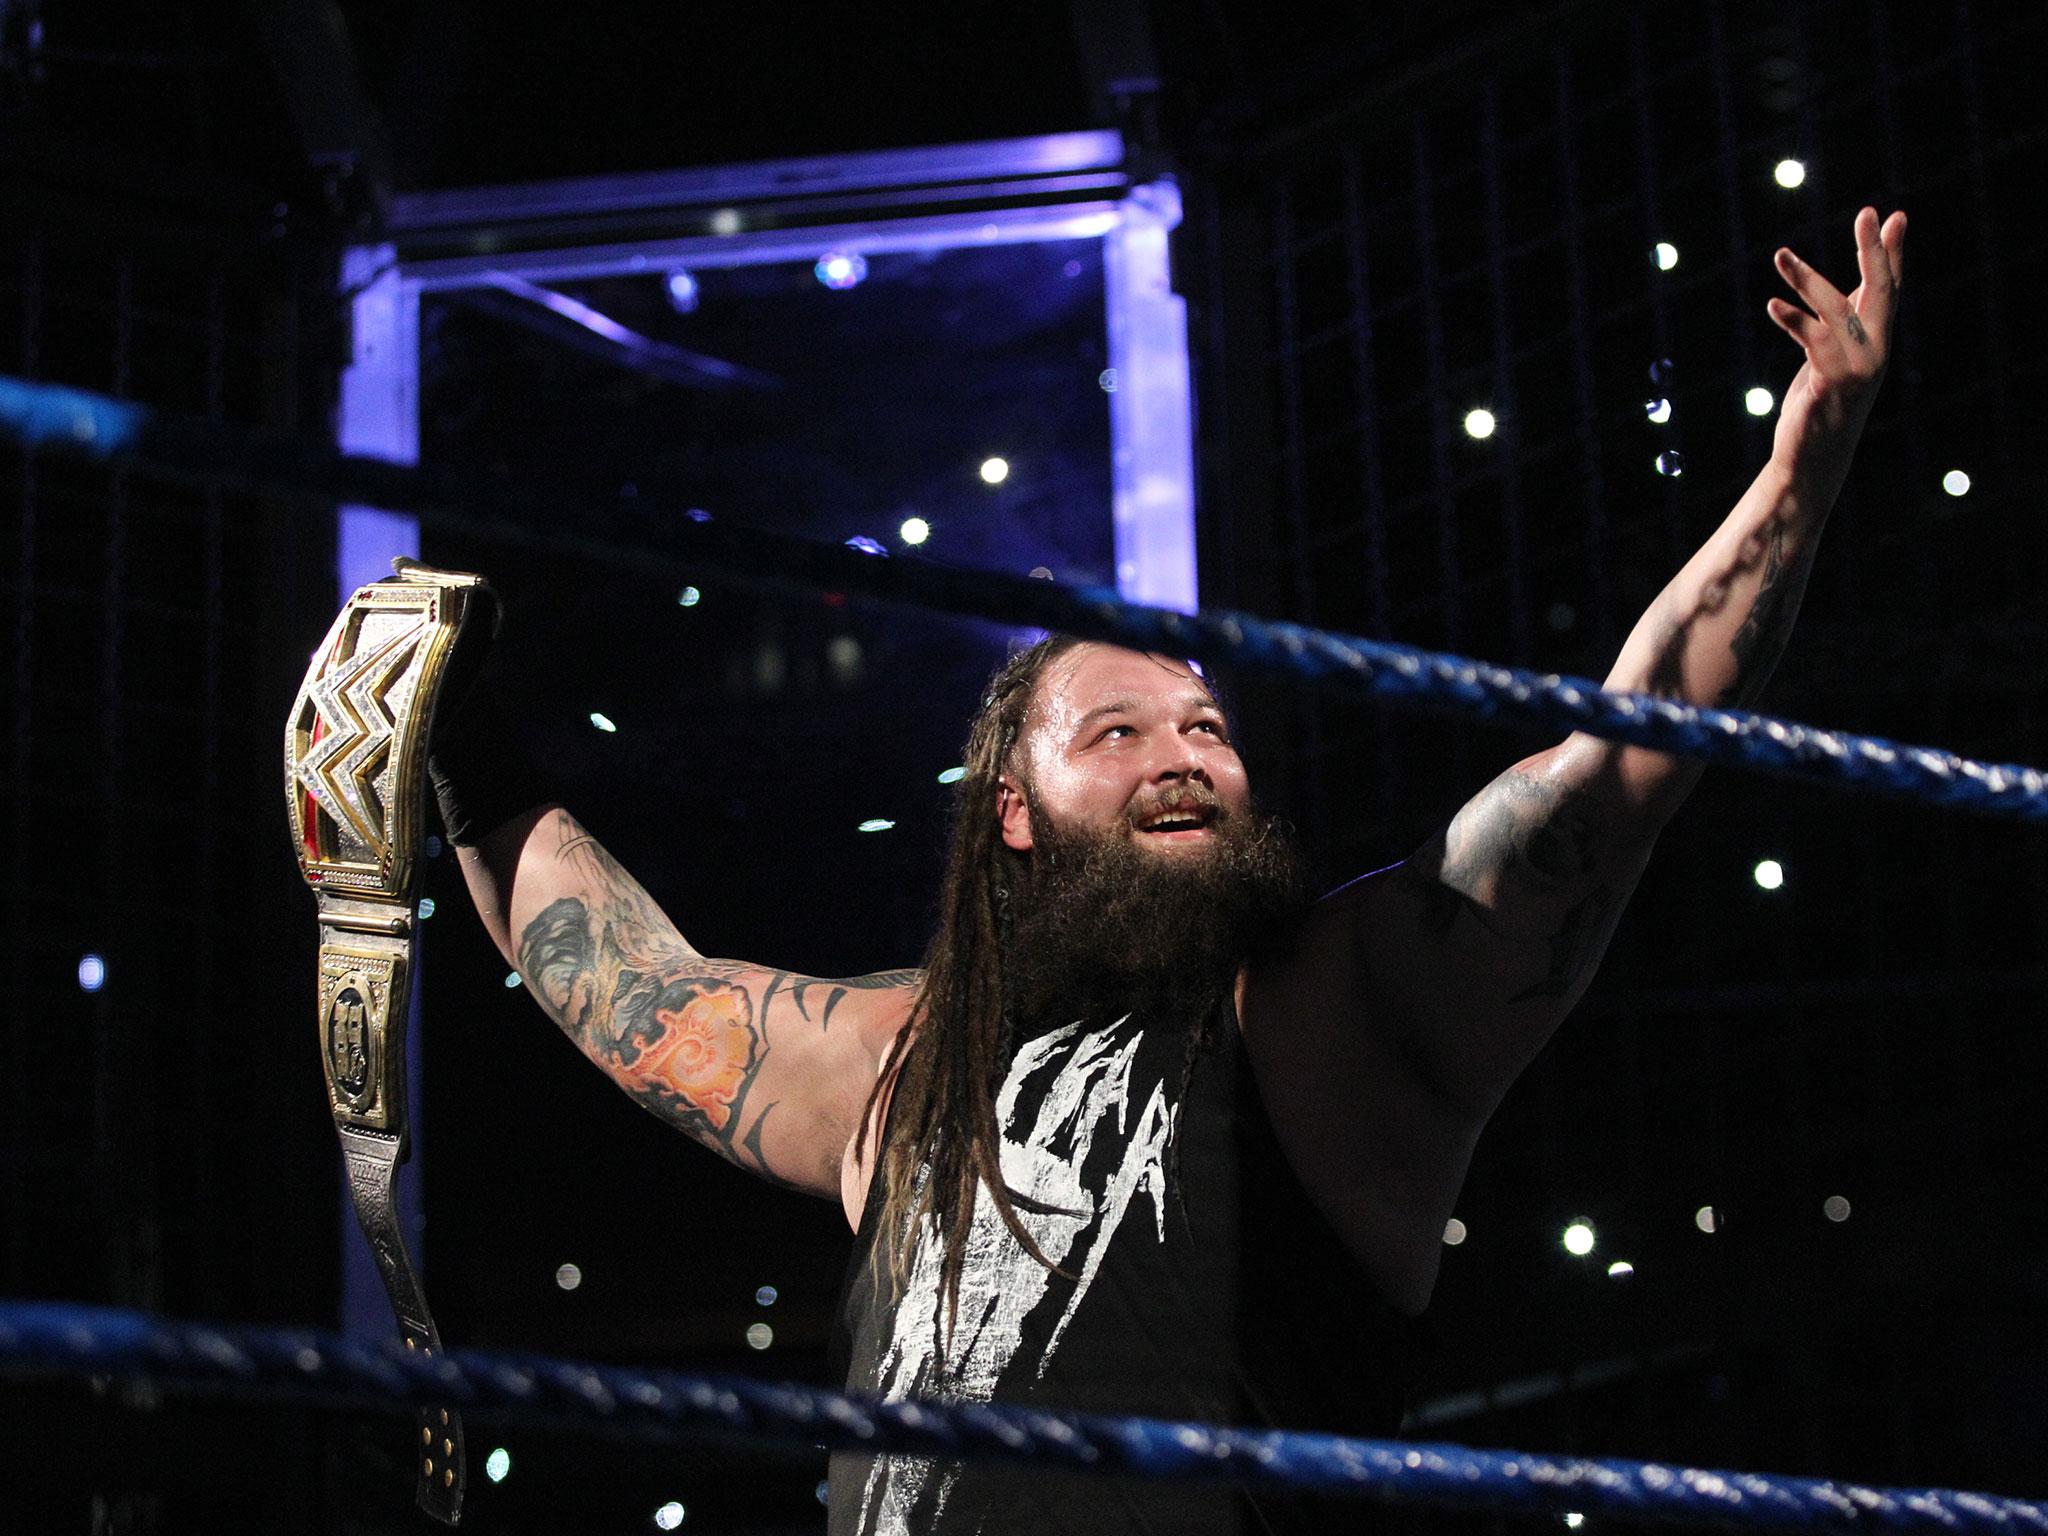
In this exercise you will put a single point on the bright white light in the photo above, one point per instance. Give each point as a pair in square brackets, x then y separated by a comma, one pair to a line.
[995, 471]
[1671, 463]
[725, 221]
[1454, 1232]
[92, 973]
[1758, 401]
[669, 1516]
[682, 292]
[1707, 1219]
[840, 270]
[875, 824]
[1658, 410]
[1788, 173]
[511, 979]
[1667, 255]
[759, 1336]
[497, 1464]
[1770, 874]
[602, 722]
[689, 597]
[765, 1296]
[568, 1277]
[915, 530]
[952, 775]
[1956, 483]
[1573, 1519]
[1479, 422]
[1620, 1269]
[1578, 1239]
[1835, 1208]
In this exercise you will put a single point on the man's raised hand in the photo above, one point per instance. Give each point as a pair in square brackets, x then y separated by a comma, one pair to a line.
[1847, 342]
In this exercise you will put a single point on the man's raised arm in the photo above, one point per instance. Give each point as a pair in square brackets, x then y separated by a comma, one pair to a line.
[767, 1068]
[1416, 996]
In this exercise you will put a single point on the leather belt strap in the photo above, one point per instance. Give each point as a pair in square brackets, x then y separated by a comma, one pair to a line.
[355, 780]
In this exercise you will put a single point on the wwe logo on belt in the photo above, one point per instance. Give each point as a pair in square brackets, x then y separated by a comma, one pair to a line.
[356, 705]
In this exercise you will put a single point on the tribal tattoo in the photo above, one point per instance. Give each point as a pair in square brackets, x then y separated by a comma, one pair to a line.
[684, 1035]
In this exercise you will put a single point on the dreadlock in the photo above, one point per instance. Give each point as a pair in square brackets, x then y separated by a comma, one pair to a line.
[947, 1061]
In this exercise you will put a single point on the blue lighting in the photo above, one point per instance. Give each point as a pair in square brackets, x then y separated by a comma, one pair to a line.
[698, 515]
[426, 908]
[952, 775]
[765, 1296]
[682, 292]
[689, 597]
[839, 270]
[92, 973]
[875, 824]
[866, 545]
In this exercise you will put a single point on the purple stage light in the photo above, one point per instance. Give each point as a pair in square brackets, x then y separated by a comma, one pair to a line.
[682, 292]
[839, 270]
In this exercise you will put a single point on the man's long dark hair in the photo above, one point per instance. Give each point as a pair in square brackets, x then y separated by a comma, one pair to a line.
[947, 1059]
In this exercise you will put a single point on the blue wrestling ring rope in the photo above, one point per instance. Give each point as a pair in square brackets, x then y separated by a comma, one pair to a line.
[331, 1370]
[56, 420]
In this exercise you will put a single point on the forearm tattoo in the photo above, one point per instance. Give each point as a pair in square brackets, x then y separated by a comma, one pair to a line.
[686, 1036]
[1759, 641]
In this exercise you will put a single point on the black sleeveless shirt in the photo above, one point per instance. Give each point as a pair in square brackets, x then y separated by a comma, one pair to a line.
[1228, 1299]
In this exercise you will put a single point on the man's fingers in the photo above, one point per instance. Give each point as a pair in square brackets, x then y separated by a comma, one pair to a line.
[1893, 238]
[1822, 296]
[1798, 324]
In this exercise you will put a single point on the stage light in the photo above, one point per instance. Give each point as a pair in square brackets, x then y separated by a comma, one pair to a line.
[698, 515]
[840, 270]
[1454, 1232]
[511, 980]
[759, 1336]
[914, 530]
[867, 546]
[602, 722]
[92, 973]
[726, 221]
[1671, 463]
[995, 471]
[765, 1296]
[669, 1516]
[1578, 1239]
[568, 1277]
[1661, 371]
[1707, 1219]
[426, 908]
[1758, 401]
[1107, 380]
[952, 775]
[689, 597]
[1479, 423]
[1769, 874]
[824, 1490]
[1667, 255]
[1659, 410]
[875, 824]
[1835, 1208]
[1573, 1519]
[1788, 173]
[497, 1464]
[1620, 1269]
[682, 292]
[1956, 483]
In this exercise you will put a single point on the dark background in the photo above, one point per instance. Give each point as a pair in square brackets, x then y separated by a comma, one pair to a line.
[1394, 213]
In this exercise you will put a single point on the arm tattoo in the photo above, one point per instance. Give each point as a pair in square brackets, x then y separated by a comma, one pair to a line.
[1769, 624]
[686, 1036]
[1526, 844]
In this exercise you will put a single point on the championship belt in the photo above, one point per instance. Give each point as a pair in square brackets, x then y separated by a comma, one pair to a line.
[355, 752]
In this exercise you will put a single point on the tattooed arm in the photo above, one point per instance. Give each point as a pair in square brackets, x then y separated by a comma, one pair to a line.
[1417, 995]
[765, 1067]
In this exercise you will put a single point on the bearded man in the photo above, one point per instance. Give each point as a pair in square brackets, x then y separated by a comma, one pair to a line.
[1149, 1132]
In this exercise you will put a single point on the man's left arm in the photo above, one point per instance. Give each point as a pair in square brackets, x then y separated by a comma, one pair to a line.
[1431, 985]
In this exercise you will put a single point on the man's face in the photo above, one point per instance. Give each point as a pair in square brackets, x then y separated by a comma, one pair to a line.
[1121, 742]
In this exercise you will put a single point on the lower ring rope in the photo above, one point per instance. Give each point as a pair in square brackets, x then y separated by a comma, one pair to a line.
[100, 429]
[329, 1369]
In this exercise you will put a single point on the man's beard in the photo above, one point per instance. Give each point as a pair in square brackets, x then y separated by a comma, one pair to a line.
[1097, 927]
